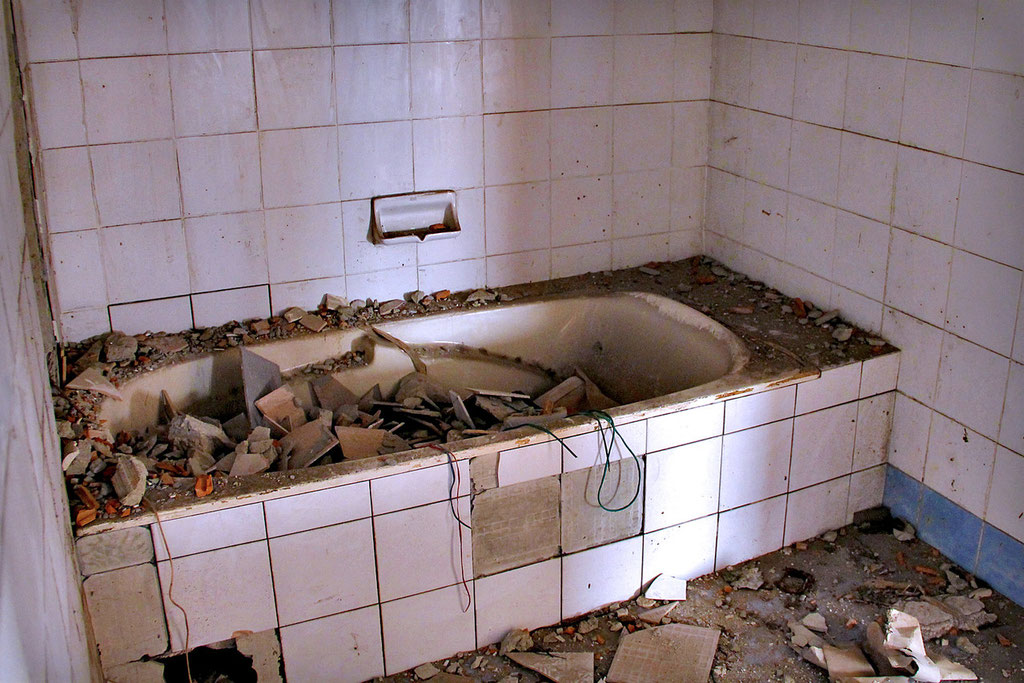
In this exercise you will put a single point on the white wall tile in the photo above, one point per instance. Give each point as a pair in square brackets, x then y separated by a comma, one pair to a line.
[866, 171]
[581, 142]
[817, 509]
[454, 276]
[772, 77]
[127, 99]
[444, 20]
[960, 464]
[419, 487]
[920, 344]
[999, 26]
[407, 644]
[78, 261]
[879, 374]
[219, 173]
[306, 294]
[305, 242]
[344, 647]
[730, 67]
[528, 597]
[517, 74]
[516, 147]
[694, 15]
[825, 22]
[750, 531]
[56, 103]
[768, 158]
[776, 20]
[217, 308]
[995, 121]
[641, 203]
[136, 182]
[446, 79]
[382, 284]
[361, 255]
[810, 235]
[226, 251]
[69, 201]
[307, 580]
[209, 531]
[145, 261]
[690, 134]
[84, 323]
[290, 23]
[682, 484]
[834, 386]
[918, 276]
[582, 17]
[687, 197]
[300, 166]
[198, 26]
[686, 550]
[927, 187]
[874, 426]
[49, 30]
[643, 69]
[448, 153]
[730, 138]
[590, 450]
[222, 591]
[935, 107]
[599, 576]
[880, 26]
[724, 203]
[581, 258]
[636, 251]
[470, 242]
[693, 66]
[121, 27]
[861, 253]
[990, 220]
[212, 93]
[983, 301]
[1004, 504]
[581, 210]
[581, 71]
[942, 31]
[1011, 432]
[638, 141]
[169, 315]
[764, 218]
[758, 409]
[823, 445]
[820, 86]
[518, 217]
[419, 549]
[909, 443]
[529, 462]
[372, 82]
[964, 368]
[649, 17]
[317, 509]
[685, 427]
[867, 488]
[755, 464]
[734, 16]
[510, 18]
[858, 309]
[874, 95]
[285, 78]
[360, 21]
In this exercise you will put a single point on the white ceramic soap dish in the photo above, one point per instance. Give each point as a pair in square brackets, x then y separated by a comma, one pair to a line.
[414, 217]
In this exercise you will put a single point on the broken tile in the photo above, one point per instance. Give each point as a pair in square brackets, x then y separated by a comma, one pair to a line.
[674, 653]
[292, 314]
[331, 393]
[569, 394]
[130, 480]
[666, 587]
[560, 667]
[93, 379]
[359, 442]
[654, 616]
[168, 344]
[312, 322]
[816, 622]
[280, 408]
[260, 376]
[264, 648]
[307, 444]
[845, 662]
[195, 436]
[249, 463]
[118, 347]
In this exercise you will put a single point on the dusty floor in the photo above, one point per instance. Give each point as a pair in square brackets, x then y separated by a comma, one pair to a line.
[856, 579]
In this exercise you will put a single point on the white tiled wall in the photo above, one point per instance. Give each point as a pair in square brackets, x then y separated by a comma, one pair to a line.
[894, 144]
[218, 158]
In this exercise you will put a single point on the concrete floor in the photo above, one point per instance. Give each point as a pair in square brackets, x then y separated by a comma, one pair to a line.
[853, 580]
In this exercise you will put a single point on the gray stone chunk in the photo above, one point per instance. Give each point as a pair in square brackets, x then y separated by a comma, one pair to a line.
[114, 550]
[119, 347]
[127, 614]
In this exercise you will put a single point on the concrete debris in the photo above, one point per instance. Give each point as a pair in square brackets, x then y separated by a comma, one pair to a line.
[906, 534]
[965, 644]
[334, 303]
[416, 296]
[842, 333]
[293, 314]
[517, 640]
[282, 410]
[644, 602]
[845, 662]
[750, 578]
[803, 636]
[903, 633]
[559, 667]
[130, 480]
[426, 671]
[265, 650]
[675, 653]
[656, 615]
[244, 464]
[481, 295]
[77, 455]
[934, 620]
[829, 536]
[92, 379]
[238, 427]
[392, 306]
[118, 347]
[795, 581]
[312, 322]
[816, 622]
[815, 655]
[666, 587]
[588, 625]
[649, 271]
[195, 436]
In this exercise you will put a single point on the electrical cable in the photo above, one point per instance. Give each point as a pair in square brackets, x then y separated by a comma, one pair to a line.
[454, 486]
[170, 584]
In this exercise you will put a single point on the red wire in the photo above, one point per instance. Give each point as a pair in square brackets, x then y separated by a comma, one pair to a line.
[457, 476]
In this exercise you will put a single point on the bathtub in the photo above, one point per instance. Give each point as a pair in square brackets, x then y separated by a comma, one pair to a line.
[723, 453]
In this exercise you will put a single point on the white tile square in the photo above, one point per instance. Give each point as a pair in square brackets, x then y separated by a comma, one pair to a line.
[84, 323]
[448, 153]
[516, 74]
[997, 46]
[304, 242]
[776, 20]
[217, 308]
[470, 243]
[648, 17]
[1004, 508]
[213, 93]
[170, 315]
[690, 134]
[811, 236]
[983, 297]
[759, 409]
[880, 26]
[454, 276]
[964, 368]
[317, 509]
[927, 186]
[687, 211]
[201, 26]
[600, 576]
[730, 138]
[817, 509]
[755, 464]
[685, 426]
[127, 99]
[861, 254]
[529, 462]
[874, 427]
[866, 170]
[823, 444]
[372, 82]
[858, 309]
[382, 284]
[942, 31]
[806, 285]
[643, 69]
[136, 182]
[528, 597]
[590, 448]
[306, 294]
[935, 107]
[867, 489]
[638, 141]
[1011, 428]
[879, 374]
[78, 266]
[518, 217]
[820, 84]
[294, 87]
[581, 210]
[693, 67]
[908, 444]
[222, 591]
[525, 266]
[1018, 345]
[734, 16]
[345, 648]
[960, 464]
[151, 261]
[308, 580]
[376, 158]
[446, 79]
[582, 17]
[686, 550]
[361, 255]
[581, 142]
[209, 531]
[419, 487]
[834, 386]
[682, 484]
[49, 31]
[730, 65]
[516, 147]
[920, 345]
[990, 218]
[825, 22]
[874, 95]
[768, 156]
[995, 121]
[290, 23]
[515, 18]
[918, 276]
[724, 203]
[580, 259]
[642, 203]
[419, 549]
[750, 531]
[764, 218]
[772, 77]
[631, 252]
[374, 21]
[299, 166]
[444, 20]
[407, 643]
[581, 71]
[219, 173]
[56, 103]
[68, 190]
[120, 27]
